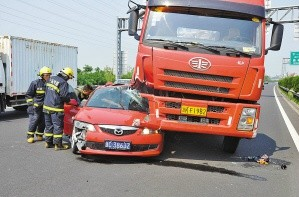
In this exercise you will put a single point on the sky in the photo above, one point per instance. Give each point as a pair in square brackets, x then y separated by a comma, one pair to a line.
[91, 26]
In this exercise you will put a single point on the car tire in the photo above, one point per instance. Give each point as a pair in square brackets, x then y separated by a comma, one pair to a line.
[230, 144]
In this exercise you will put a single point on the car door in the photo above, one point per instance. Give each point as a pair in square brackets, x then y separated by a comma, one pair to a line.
[70, 110]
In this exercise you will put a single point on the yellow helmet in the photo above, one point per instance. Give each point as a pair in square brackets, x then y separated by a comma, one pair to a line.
[68, 71]
[45, 70]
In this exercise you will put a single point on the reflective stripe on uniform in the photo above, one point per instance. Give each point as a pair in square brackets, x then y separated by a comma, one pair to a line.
[53, 86]
[35, 104]
[48, 134]
[40, 91]
[30, 133]
[58, 136]
[38, 133]
[29, 100]
[53, 109]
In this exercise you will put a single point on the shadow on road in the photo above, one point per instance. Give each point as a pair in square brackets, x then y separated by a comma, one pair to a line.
[12, 115]
[197, 152]
[198, 147]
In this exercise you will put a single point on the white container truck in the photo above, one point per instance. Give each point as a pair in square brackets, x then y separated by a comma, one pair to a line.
[20, 62]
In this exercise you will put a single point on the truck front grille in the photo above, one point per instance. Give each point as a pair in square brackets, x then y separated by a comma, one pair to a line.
[188, 86]
[194, 119]
[175, 105]
[198, 76]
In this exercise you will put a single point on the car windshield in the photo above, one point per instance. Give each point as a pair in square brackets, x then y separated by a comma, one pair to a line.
[203, 31]
[118, 97]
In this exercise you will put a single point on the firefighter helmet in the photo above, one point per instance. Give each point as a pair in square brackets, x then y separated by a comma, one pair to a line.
[68, 72]
[45, 70]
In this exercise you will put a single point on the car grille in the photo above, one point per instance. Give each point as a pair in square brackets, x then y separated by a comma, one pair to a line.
[134, 147]
[111, 131]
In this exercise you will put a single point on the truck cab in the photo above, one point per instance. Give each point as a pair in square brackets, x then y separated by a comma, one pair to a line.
[203, 61]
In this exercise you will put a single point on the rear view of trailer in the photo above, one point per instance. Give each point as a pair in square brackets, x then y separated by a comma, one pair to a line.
[22, 59]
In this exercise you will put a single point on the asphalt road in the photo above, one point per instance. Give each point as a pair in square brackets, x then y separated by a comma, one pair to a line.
[191, 165]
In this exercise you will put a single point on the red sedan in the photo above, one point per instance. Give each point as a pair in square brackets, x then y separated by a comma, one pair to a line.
[114, 121]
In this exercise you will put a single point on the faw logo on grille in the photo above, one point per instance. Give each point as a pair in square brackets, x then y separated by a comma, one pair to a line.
[199, 63]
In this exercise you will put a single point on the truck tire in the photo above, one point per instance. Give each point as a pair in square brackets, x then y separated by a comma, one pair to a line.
[230, 144]
[21, 108]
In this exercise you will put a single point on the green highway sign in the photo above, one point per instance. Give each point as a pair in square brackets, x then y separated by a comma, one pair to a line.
[294, 60]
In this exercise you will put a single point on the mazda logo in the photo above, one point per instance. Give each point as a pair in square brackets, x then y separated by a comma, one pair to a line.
[199, 63]
[118, 131]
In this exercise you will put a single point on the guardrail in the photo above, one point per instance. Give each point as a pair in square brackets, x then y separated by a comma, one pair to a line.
[296, 94]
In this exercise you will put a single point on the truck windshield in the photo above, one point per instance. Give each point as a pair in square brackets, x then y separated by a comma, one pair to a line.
[204, 33]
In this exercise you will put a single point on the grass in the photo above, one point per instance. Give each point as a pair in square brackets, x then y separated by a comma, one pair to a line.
[290, 96]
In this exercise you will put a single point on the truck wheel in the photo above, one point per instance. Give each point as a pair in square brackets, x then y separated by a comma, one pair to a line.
[230, 144]
[21, 108]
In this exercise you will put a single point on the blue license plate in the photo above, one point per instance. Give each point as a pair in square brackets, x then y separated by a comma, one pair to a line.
[117, 145]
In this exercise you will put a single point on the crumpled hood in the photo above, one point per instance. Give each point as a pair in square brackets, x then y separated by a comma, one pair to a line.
[108, 116]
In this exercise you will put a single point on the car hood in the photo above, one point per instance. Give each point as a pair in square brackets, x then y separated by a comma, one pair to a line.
[108, 116]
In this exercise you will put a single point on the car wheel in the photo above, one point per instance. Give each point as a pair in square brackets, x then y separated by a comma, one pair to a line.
[230, 144]
[75, 149]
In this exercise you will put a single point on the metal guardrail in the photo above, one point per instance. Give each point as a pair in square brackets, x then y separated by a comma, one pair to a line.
[294, 93]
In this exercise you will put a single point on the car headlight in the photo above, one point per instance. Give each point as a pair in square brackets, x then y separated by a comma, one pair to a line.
[147, 131]
[83, 125]
[247, 119]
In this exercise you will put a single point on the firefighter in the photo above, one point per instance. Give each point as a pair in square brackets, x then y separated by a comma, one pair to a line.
[35, 99]
[56, 95]
[84, 92]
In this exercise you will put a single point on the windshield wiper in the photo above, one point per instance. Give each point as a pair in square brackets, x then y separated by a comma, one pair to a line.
[169, 43]
[232, 50]
[199, 45]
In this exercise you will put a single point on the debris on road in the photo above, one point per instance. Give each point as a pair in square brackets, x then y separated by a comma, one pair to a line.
[264, 159]
[283, 166]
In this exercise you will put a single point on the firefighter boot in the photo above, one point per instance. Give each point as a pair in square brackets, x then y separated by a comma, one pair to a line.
[61, 146]
[30, 139]
[49, 145]
[39, 137]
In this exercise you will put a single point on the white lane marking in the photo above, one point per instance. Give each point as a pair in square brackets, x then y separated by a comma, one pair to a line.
[290, 126]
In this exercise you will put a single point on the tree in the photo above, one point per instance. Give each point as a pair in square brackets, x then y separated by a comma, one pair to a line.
[87, 68]
[128, 75]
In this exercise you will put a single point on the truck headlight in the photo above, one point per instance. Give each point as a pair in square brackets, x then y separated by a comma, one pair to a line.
[83, 125]
[247, 118]
[147, 131]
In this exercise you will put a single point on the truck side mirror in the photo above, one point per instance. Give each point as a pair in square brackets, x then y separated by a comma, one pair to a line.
[276, 38]
[133, 21]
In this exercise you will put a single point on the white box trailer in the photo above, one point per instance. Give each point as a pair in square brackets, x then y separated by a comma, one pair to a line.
[20, 62]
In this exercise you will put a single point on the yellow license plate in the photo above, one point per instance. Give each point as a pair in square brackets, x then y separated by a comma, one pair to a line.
[194, 111]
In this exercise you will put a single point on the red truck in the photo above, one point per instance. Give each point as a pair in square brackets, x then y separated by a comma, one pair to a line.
[203, 62]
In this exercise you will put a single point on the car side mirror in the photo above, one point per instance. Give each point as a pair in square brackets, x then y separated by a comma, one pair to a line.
[73, 102]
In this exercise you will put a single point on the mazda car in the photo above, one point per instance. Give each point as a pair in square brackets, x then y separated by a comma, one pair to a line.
[115, 120]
